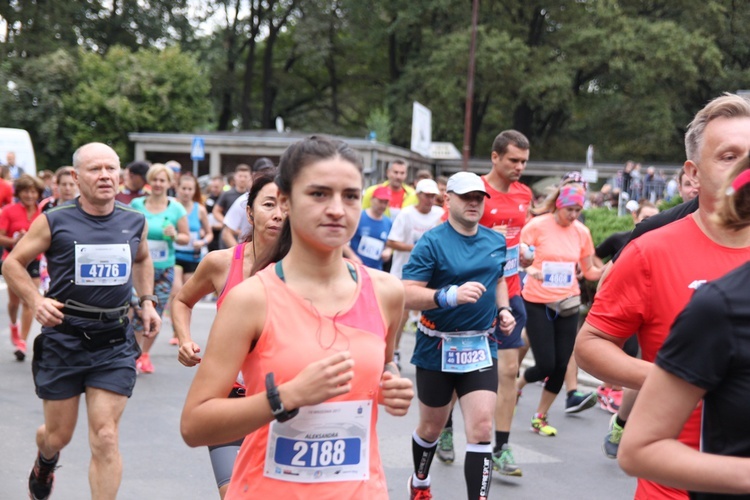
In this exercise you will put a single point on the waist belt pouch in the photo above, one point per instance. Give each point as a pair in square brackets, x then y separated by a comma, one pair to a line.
[566, 307]
[96, 340]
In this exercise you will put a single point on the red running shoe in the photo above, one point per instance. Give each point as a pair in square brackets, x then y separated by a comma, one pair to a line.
[602, 394]
[15, 336]
[418, 493]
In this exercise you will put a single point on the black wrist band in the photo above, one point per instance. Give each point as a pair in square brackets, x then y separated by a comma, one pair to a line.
[504, 308]
[277, 407]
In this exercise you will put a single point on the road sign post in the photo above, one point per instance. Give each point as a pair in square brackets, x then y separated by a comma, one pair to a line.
[197, 153]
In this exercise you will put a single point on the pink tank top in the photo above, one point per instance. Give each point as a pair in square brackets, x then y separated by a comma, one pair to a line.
[294, 335]
[236, 274]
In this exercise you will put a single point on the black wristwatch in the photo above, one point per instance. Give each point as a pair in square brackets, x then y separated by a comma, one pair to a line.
[504, 308]
[277, 407]
[153, 298]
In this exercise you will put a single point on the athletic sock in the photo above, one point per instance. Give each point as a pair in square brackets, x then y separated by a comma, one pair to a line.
[49, 461]
[422, 453]
[501, 438]
[449, 423]
[478, 470]
[620, 421]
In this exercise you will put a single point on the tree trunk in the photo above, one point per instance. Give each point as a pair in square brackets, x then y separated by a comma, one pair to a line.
[523, 117]
[269, 88]
[332, 76]
[225, 117]
[247, 86]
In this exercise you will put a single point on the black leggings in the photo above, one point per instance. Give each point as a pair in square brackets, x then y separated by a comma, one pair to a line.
[552, 340]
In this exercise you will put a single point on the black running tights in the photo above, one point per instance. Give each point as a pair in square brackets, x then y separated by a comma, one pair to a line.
[552, 339]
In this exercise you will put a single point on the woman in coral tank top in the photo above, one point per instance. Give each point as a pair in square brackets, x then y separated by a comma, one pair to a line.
[311, 333]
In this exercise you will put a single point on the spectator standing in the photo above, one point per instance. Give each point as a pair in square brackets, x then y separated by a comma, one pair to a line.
[14, 169]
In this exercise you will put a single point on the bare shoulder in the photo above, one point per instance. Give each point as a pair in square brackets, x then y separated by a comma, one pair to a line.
[218, 259]
[249, 300]
[388, 288]
[213, 268]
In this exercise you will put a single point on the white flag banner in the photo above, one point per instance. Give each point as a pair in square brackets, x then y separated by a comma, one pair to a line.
[421, 129]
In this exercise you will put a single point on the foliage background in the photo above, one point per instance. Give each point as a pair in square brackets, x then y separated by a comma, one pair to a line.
[625, 75]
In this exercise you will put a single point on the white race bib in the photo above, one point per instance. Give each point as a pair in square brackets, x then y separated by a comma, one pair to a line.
[102, 265]
[194, 236]
[558, 274]
[159, 250]
[370, 247]
[329, 442]
[511, 262]
[463, 354]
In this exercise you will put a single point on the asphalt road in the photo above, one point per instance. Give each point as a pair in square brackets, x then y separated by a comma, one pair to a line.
[158, 464]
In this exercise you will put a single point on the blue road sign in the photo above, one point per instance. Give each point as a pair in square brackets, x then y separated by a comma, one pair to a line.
[198, 149]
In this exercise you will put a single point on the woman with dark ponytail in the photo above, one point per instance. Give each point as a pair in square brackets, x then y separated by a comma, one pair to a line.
[219, 272]
[705, 358]
[311, 333]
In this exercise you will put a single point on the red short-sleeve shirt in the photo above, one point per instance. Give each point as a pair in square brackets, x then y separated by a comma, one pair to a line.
[648, 287]
[13, 218]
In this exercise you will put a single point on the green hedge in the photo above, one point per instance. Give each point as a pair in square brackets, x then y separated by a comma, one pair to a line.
[602, 222]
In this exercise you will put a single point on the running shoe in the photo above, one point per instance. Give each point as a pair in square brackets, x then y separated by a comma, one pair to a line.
[20, 351]
[174, 341]
[504, 463]
[579, 401]
[15, 336]
[418, 493]
[615, 400]
[143, 364]
[445, 451]
[612, 439]
[540, 425]
[41, 478]
[602, 394]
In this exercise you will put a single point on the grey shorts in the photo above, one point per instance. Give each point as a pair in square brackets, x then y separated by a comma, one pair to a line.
[63, 369]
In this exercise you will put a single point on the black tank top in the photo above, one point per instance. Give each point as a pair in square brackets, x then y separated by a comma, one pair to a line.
[90, 258]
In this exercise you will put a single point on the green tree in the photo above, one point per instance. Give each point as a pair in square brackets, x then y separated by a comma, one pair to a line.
[146, 91]
[33, 100]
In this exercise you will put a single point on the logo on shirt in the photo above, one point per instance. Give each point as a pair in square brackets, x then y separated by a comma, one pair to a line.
[696, 284]
[493, 211]
[521, 208]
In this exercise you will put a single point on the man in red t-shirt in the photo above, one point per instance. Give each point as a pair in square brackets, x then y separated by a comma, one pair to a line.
[506, 211]
[657, 273]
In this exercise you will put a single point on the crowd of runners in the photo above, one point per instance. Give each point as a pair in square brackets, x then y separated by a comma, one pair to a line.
[315, 279]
